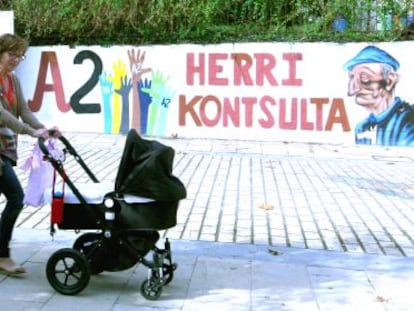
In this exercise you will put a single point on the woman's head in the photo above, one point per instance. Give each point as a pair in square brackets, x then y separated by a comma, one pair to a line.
[15, 47]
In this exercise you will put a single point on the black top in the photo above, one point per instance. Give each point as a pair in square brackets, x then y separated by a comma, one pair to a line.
[146, 170]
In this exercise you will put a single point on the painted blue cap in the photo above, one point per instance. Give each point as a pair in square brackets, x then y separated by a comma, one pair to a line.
[372, 54]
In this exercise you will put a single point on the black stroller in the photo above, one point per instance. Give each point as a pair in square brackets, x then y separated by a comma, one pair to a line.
[123, 224]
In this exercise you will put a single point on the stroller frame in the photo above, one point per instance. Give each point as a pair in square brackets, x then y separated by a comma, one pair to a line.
[69, 270]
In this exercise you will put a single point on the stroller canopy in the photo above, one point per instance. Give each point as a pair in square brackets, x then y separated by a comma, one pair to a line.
[146, 170]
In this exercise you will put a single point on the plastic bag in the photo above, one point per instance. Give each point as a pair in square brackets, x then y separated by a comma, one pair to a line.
[41, 174]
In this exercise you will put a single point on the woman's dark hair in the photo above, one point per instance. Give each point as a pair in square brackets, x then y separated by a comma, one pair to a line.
[12, 43]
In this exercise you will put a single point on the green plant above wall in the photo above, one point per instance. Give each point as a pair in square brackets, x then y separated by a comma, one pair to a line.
[210, 21]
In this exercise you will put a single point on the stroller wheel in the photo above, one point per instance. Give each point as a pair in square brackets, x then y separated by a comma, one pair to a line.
[87, 244]
[151, 289]
[67, 271]
[167, 271]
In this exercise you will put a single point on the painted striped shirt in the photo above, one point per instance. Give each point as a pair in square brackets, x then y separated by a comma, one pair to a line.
[393, 127]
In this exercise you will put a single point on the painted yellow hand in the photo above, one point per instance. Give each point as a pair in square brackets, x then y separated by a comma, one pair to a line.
[119, 71]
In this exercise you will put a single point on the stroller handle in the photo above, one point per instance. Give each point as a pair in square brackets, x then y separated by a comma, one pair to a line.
[68, 148]
[42, 146]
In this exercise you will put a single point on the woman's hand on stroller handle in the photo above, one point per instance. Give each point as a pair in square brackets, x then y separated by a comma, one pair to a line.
[54, 132]
[44, 134]
[41, 133]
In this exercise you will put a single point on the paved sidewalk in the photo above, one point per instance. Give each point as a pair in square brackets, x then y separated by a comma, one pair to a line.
[219, 276]
[323, 197]
[265, 226]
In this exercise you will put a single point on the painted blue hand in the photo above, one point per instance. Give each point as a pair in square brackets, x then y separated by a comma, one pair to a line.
[164, 108]
[124, 90]
[145, 100]
[106, 91]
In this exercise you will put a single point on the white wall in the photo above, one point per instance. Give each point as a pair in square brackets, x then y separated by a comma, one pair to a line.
[317, 71]
[6, 22]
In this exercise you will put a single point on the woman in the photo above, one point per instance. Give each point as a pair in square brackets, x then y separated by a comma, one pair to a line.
[15, 118]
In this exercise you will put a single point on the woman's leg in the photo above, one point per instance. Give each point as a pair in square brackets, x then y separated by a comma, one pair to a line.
[11, 188]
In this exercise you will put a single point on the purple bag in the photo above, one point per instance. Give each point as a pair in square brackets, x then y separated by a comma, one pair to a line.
[41, 174]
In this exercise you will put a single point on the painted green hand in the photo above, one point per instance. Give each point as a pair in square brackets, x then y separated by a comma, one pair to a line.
[158, 85]
[157, 91]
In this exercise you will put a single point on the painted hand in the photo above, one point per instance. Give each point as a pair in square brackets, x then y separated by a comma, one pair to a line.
[136, 63]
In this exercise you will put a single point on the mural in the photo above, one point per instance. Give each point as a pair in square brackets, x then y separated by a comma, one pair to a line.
[267, 91]
[128, 99]
[372, 81]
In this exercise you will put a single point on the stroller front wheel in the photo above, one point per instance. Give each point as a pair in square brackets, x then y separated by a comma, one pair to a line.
[68, 271]
[151, 289]
[168, 272]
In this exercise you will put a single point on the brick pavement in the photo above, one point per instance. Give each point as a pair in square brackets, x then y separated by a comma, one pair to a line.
[321, 197]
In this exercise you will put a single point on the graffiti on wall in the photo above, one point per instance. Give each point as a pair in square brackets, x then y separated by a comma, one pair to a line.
[255, 71]
[120, 89]
[246, 91]
[373, 78]
[150, 98]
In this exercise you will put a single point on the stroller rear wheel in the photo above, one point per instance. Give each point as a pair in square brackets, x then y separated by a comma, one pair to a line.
[88, 244]
[67, 271]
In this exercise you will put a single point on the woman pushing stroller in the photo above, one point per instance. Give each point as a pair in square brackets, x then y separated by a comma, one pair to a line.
[15, 118]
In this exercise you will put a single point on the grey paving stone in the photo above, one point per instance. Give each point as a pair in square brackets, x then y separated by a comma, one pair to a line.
[349, 200]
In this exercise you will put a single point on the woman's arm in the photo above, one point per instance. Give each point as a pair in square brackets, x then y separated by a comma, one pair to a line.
[24, 111]
[10, 121]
